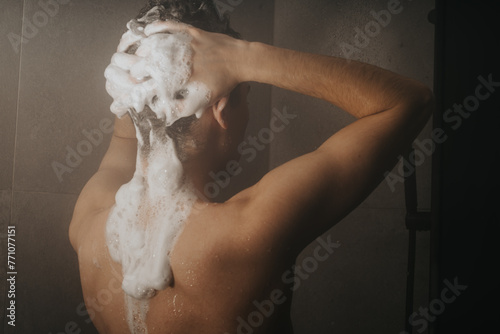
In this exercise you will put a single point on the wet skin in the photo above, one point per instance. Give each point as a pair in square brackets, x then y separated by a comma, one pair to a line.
[234, 253]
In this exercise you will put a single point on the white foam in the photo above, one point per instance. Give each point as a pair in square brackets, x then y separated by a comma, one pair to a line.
[157, 75]
[147, 218]
[136, 314]
[150, 210]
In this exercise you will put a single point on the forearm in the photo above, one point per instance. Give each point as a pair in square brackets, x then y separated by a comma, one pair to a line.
[221, 62]
[358, 88]
[122, 151]
[124, 127]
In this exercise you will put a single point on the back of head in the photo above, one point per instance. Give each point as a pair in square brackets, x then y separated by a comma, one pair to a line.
[148, 79]
[201, 14]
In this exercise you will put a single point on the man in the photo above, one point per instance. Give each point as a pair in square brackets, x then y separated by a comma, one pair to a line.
[232, 254]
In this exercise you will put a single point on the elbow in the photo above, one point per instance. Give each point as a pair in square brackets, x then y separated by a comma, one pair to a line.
[427, 102]
[427, 97]
[421, 102]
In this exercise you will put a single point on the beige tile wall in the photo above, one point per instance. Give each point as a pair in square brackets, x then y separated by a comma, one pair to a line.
[361, 287]
[54, 88]
[53, 85]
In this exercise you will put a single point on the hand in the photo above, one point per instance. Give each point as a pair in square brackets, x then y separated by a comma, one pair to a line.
[217, 58]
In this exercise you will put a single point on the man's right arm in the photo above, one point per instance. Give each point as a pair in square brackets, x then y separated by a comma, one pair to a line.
[306, 196]
[299, 200]
[360, 89]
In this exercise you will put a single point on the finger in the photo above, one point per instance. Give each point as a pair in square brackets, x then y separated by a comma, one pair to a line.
[128, 39]
[117, 81]
[124, 60]
[164, 27]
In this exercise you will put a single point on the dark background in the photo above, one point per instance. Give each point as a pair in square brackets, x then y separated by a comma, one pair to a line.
[467, 46]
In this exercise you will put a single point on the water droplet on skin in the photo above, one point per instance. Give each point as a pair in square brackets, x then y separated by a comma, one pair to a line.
[130, 216]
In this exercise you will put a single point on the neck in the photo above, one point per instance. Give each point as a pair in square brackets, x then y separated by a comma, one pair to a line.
[199, 172]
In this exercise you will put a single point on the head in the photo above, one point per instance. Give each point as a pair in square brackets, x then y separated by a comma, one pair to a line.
[212, 140]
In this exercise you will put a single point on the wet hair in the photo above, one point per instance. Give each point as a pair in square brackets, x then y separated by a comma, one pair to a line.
[201, 14]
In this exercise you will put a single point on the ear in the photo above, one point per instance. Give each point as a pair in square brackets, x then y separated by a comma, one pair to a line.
[219, 111]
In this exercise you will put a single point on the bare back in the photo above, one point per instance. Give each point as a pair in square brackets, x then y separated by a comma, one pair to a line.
[228, 261]
[220, 279]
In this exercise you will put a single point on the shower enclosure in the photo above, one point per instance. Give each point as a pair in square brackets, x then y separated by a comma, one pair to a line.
[55, 127]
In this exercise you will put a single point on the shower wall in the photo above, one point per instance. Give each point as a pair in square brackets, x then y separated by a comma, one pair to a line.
[55, 126]
[361, 287]
[52, 97]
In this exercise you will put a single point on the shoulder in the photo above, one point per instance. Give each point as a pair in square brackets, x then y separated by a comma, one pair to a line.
[86, 226]
[286, 209]
[259, 224]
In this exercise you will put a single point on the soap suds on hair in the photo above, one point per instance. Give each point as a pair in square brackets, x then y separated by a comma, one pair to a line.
[148, 79]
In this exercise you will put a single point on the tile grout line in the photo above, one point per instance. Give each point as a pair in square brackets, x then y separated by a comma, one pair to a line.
[44, 192]
[4, 323]
[17, 113]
